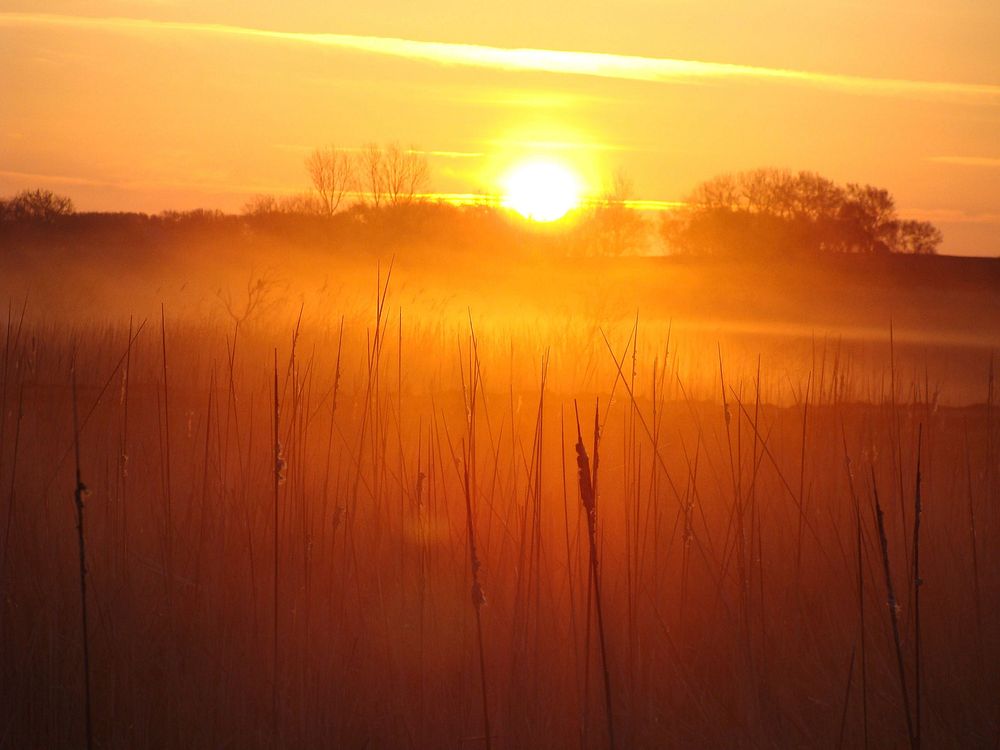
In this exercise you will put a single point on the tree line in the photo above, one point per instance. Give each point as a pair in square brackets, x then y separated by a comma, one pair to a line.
[374, 176]
[761, 214]
[771, 212]
[753, 214]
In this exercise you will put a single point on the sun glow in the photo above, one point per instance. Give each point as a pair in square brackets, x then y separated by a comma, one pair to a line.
[541, 190]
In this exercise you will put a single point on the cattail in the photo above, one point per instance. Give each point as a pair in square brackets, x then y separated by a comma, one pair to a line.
[79, 494]
[589, 499]
[478, 600]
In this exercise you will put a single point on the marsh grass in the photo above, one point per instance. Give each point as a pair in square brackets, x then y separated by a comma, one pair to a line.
[719, 582]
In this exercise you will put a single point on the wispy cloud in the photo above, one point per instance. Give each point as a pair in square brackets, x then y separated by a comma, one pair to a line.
[363, 149]
[968, 161]
[54, 179]
[548, 98]
[451, 154]
[655, 205]
[623, 67]
[552, 145]
[951, 215]
[207, 184]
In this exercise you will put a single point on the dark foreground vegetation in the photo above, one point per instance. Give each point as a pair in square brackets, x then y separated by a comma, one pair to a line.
[279, 516]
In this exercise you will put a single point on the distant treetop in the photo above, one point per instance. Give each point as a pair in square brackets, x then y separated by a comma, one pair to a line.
[35, 206]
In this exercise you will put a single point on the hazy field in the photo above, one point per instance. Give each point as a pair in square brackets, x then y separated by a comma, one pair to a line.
[307, 582]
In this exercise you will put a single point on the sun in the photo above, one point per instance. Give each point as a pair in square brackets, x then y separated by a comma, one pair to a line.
[541, 190]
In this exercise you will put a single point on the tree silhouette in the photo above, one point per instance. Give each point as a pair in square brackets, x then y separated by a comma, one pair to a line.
[769, 212]
[36, 206]
[371, 172]
[918, 237]
[392, 175]
[332, 173]
[406, 174]
[611, 227]
[869, 215]
[303, 204]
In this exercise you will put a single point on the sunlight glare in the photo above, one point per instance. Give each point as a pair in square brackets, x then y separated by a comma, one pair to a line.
[541, 190]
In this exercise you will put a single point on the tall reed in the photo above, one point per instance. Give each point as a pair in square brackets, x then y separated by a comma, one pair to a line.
[893, 615]
[588, 495]
[79, 494]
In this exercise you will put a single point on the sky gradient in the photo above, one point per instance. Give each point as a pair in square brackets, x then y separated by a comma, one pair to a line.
[147, 105]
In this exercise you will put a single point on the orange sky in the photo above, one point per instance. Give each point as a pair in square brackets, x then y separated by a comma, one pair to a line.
[153, 104]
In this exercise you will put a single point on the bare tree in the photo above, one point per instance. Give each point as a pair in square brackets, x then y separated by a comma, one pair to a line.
[392, 175]
[35, 205]
[371, 171]
[301, 203]
[406, 174]
[261, 205]
[333, 177]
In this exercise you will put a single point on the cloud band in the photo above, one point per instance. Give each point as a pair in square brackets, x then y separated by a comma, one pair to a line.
[594, 64]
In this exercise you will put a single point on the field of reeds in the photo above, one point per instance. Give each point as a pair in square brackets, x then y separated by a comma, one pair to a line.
[377, 520]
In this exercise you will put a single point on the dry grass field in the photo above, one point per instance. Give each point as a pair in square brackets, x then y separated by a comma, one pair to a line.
[348, 505]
